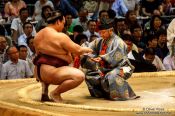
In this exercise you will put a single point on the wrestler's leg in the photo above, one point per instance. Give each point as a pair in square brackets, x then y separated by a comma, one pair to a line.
[66, 77]
[44, 96]
[45, 86]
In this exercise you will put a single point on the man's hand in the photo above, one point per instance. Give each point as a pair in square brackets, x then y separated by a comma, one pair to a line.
[98, 59]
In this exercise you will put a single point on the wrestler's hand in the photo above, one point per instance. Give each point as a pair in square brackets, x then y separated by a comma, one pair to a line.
[87, 50]
[98, 59]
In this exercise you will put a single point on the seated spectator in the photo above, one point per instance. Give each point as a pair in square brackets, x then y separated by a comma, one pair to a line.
[119, 26]
[3, 48]
[27, 29]
[23, 51]
[82, 18]
[91, 27]
[150, 56]
[162, 43]
[17, 25]
[105, 4]
[102, 5]
[77, 4]
[31, 49]
[44, 14]
[148, 7]
[93, 37]
[152, 43]
[69, 25]
[133, 5]
[169, 60]
[156, 24]
[169, 63]
[13, 7]
[120, 8]
[15, 68]
[131, 18]
[137, 34]
[135, 58]
[65, 7]
[167, 7]
[76, 30]
[38, 8]
[103, 15]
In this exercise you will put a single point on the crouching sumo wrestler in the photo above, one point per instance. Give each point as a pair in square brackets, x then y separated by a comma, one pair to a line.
[53, 56]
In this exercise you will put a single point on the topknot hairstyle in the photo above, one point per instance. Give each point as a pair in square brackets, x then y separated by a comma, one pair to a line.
[54, 16]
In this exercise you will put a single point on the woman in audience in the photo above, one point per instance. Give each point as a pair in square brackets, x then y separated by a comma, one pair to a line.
[13, 7]
[38, 8]
[44, 14]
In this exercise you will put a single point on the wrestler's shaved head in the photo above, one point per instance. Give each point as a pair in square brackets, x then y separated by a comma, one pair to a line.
[54, 16]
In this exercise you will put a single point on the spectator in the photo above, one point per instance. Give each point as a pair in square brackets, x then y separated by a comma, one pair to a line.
[103, 15]
[93, 37]
[76, 30]
[133, 5]
[31, 49]
[167, 7]
[28, 29]
[68, 27]
[3, 47]
[151, 57]
[15, 68]
[148, 7]
[44, 14]
[162, 43]
[77, 4]
[38, 8]
[23, 51]
[156, 24]
[135, 58]
[65, 7]
[169, 63]
[119, 7]
[91, 25]
[131, 18]
[169, 60]
[119, 26]
[82, 18]
[137, 34]
[17, 25]
[13, 7]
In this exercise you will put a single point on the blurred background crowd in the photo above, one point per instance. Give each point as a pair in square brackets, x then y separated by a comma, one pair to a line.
[146, 26]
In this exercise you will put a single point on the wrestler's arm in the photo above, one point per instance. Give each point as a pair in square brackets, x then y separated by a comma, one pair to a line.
[74, 48]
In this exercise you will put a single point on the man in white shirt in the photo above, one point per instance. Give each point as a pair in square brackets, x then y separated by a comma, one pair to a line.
[27, 28]
[17, 25]
[15, 68]
[154, 59]
[91, 29]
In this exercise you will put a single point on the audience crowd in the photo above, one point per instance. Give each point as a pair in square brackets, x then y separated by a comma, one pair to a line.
[146, 27]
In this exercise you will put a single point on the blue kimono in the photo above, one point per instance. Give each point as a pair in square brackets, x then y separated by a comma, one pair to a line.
[112, 85]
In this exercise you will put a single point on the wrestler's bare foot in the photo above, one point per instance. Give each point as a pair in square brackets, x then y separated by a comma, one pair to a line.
[56, 97]
[45, 97]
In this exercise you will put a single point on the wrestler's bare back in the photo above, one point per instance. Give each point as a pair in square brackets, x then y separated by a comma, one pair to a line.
[49, 41]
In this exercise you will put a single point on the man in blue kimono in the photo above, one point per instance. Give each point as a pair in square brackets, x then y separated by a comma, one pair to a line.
[108, 67]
